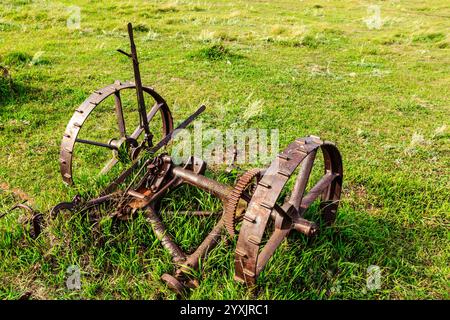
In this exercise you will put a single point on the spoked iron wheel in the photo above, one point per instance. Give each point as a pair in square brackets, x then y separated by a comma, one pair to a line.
[258, 239]
[120, 139]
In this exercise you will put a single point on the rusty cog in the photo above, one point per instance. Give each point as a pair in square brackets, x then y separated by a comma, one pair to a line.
[236, 195]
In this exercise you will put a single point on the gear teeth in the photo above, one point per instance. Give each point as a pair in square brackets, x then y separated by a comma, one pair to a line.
[234, 197]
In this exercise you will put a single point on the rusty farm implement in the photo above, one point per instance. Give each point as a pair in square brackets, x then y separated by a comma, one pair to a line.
[252, 210]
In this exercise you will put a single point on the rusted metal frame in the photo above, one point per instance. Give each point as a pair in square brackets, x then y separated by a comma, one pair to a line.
[102, 199]
[149, 195]
[195, 166]
[186, 262]
[222, 192]
[184, 175]
[121, 178]
[113, 186]
[171, 183]
[178, 255]
[67, 205]
[181, 280]
[77, 204]
[163, 179]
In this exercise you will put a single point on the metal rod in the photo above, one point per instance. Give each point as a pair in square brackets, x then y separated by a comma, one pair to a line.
[111, 163]
[194, 213]
[161, 233]
[215, 188]
[102, 199]
[98, 144]
[139, 91]
[183, 125]
[304, 226]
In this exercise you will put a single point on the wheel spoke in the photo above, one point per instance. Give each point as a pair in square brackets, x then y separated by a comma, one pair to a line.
[302, 180]
[272, 244]
[317, 190]
[119, 114]
[111, 163]
[96, 143]
[150, 116]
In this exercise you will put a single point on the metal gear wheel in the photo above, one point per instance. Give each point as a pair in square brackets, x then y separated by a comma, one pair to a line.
[235, 196]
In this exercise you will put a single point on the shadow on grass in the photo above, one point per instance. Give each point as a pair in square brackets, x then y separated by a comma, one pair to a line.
[331, 266]
[15, 92]
[334, 264]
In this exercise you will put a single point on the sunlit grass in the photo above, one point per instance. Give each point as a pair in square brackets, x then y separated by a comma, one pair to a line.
[377, 89]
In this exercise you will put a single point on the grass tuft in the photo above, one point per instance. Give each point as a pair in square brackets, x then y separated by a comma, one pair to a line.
[16, 59]
[171, 7]
[429, 37]
[141, 27]
[214, 53]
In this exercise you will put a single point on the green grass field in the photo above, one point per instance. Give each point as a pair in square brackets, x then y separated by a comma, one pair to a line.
[375, 82]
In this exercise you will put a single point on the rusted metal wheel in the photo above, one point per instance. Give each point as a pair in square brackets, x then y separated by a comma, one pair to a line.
[256, 243]
[122, 139]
